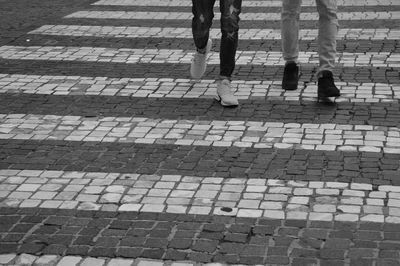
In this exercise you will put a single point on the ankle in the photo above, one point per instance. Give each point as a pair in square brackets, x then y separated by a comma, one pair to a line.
[325, 74]
[202, 51]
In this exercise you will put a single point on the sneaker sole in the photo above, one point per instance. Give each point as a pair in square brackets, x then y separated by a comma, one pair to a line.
[219, 99]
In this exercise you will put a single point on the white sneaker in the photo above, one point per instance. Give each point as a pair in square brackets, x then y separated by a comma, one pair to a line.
[198, 66]
[225, 94]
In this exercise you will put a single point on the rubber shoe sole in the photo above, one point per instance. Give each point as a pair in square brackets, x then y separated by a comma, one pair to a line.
[219, 99]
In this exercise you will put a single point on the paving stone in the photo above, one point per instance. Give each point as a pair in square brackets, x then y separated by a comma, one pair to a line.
[47, 260]
[337, 243]
[389, 254]
[226, 258]
[355, 253]
[180, 243]
[200, 257]
[333, 253]
[131, 252]
[25, 259]
[205, 246]
[373, 218]
[361, 261]
[175, 255]
[346, 217]
[332, 262]
[121, 262]
[232, 237]
[278, 260]
[6, 258]
[149, 263]
[69, 260]
[387, 262]
[214, 227]
[231, 248]
[92, 261]
[252, 260]
[181, 264]
[304, 261]
[102, 251]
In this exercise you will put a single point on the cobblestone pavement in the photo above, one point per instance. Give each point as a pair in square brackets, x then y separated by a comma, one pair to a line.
[110, 154]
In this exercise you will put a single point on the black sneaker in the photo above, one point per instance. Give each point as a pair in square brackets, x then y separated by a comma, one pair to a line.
[290, 77]
[326, 85]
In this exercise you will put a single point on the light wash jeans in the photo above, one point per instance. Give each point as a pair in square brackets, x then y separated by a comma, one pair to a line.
[327, 32]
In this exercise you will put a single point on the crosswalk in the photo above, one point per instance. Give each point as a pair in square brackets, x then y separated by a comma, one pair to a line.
[188, 88]
[169, 56]
[246, 197]
[205, 133]
[181, 131]
[280, 155]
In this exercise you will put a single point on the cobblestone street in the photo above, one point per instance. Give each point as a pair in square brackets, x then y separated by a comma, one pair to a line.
[111, 155]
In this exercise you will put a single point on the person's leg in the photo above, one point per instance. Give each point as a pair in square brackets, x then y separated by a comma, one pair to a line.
[203, 15]
[290, 26]
[327, 33]
[230, 11]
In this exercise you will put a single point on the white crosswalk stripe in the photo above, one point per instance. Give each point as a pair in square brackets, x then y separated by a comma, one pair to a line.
[218, 133]
[244, 16]
[186, 88]
[271, 3]
[164, 56]
[186, 33]
[269, 198]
